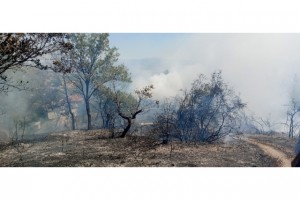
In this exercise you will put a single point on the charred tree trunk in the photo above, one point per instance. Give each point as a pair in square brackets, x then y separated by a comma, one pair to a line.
[87, 105]
[291, 125]
[88, 112]
[129, 121]
[69, 104]
[108, 120]
[291, 128]
[125, 131]
[73, 121]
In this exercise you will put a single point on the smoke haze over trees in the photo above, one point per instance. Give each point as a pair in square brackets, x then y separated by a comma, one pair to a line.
[260, 67]
[91, 86]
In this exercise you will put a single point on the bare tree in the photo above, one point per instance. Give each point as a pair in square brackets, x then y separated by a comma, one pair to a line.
[165, 123]
[291, 122]
[20, 126]
[17, 140]
[129, 106]
[250, 123]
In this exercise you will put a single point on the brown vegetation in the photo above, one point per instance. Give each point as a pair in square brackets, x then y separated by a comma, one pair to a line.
[97, 149]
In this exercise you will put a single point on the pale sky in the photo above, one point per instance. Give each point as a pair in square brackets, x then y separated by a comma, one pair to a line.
[260, 67]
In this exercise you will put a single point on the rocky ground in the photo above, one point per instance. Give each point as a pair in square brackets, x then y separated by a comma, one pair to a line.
[97, 149]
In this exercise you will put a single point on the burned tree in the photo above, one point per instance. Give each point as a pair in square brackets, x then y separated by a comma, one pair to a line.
[209, 110]
[129, 106]
[165, 123]
[292, 114]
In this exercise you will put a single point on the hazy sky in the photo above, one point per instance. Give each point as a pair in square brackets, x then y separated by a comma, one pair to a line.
[260, 67]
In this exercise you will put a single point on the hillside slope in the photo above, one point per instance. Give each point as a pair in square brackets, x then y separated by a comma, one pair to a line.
[96, 149]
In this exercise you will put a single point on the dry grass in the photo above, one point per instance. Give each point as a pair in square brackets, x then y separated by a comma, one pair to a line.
[96, 149]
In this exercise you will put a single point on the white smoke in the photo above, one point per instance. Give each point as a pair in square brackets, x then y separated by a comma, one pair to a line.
[260, 67]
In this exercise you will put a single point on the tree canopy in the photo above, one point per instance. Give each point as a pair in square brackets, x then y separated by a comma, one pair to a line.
[19, 50]
[94, 64]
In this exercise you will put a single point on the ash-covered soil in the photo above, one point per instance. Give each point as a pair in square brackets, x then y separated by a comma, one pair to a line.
[96, 149]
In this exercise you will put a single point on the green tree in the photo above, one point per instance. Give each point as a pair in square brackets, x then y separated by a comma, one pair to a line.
[94, 64]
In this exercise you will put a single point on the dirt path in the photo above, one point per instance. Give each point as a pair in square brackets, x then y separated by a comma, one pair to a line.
[271, 151]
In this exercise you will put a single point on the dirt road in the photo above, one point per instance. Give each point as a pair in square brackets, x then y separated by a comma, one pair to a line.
[271, 151]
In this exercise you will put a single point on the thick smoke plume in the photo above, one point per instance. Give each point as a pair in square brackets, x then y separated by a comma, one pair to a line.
[261, 67]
